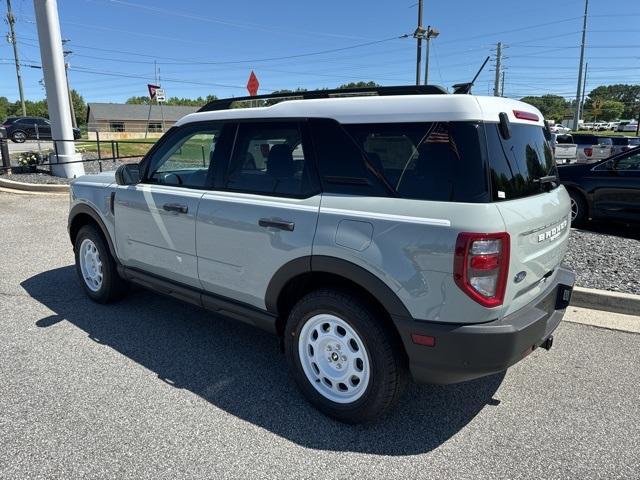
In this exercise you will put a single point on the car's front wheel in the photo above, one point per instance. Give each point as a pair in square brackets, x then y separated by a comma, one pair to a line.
[343, 358]
[19, 136]
[96, 266]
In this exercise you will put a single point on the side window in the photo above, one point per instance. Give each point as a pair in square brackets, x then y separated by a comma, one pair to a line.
[270, 158]
[186, 157]
[341, 163]
[629, 163]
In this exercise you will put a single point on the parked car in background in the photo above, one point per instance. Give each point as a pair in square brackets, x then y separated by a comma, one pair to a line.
[607, 190]
[630, 127]
[559, 128]
[587, 126]
[21, 129]
[592, 148]
[622, 124]
[564, 150]
[601, 126]
[620, 144]
[613, 126]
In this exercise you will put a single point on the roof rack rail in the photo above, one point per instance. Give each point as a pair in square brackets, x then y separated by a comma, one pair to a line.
[224, 104]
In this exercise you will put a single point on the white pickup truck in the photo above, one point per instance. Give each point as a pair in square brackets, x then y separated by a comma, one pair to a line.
[565, 151]
[592, 148]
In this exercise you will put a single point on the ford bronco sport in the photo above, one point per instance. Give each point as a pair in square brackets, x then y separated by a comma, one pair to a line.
[407, 232]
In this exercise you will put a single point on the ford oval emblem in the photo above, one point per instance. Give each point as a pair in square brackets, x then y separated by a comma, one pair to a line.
[519, 276]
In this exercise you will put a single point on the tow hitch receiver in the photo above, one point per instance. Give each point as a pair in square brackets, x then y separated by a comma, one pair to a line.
[548, 343]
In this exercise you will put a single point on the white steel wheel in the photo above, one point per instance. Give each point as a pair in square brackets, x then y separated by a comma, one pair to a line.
[91, 265]
[334, 358]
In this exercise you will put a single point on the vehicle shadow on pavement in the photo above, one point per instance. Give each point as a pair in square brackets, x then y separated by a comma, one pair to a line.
[240, 369]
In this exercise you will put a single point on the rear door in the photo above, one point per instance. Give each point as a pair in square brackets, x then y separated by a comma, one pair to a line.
[536, 215]
[262, 213]
[156, 219]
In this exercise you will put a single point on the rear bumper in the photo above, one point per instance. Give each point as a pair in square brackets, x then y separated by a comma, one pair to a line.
[464, 352]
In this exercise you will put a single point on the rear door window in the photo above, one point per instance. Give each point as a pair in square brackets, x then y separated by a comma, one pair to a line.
[518, 164]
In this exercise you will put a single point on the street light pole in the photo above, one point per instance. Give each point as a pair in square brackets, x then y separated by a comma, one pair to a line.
[50, 40]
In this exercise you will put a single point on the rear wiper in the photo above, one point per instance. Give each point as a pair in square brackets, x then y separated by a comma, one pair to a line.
[546, 179]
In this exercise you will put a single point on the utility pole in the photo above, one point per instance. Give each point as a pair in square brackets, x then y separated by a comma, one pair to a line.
[65, 161]
[576, 116]
[418, 35]
[66, 53]
[12, 38]
[431, 33]
[584, 87]
[496, 85]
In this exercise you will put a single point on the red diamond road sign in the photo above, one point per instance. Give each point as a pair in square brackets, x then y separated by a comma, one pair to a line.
[253, 84]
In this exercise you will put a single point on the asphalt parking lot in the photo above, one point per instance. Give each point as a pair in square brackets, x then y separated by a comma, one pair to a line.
[154, 388]
[29, 145]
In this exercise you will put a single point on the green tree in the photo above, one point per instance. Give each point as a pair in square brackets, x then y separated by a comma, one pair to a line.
[370, 84]
[628, 95]
[605, 110]
[552, 107]
[4, 108]
[79, 108]
[141, 100]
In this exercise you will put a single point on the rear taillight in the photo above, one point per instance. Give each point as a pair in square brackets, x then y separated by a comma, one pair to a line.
[588, 151]
[481, 266]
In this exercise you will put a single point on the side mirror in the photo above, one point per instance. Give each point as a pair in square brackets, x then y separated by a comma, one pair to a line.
[128, 174]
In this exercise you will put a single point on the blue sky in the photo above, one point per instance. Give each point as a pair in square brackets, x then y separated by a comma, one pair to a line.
[209, 47]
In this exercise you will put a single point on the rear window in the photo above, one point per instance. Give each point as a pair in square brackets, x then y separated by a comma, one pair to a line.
[564, 139]
[440, 161]
[586, 139]
[517, 164]
[620, 140]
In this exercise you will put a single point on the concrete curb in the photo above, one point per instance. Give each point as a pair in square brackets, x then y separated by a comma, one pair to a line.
[33, 187]
[617, 302]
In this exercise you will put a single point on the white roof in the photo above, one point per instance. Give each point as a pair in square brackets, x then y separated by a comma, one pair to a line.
[383, 109]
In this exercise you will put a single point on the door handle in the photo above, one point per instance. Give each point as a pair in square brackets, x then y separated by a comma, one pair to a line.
[281, 224]
[175, 207]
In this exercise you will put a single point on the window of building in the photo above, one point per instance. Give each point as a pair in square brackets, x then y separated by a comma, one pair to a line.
[116, 126]
[155, 127]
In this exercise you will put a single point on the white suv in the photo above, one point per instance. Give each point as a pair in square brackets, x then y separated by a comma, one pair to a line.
[408, 232]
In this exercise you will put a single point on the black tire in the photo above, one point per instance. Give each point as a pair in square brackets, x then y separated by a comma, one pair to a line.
[579, 213]
[387, 373]
[112, 286]
[19, 136]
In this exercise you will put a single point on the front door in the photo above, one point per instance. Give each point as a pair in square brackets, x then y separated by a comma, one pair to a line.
[156, 219]
[618, 192]
[262, 214]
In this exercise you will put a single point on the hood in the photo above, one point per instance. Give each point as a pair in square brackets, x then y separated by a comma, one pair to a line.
[104, 178]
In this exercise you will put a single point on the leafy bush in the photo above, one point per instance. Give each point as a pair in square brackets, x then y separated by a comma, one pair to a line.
[27, 159]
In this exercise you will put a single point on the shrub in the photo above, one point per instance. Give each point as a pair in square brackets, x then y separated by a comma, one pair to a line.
[27, 159]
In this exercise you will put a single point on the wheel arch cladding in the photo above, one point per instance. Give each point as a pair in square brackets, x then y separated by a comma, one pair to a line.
[300, 276]
[82, 215]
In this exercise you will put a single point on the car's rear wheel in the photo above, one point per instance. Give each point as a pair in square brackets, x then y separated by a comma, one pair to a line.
[342, 357]
[96, 266]
[578, 209]
[19, 136]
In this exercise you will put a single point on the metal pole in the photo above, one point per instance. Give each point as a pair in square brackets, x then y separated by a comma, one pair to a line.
[426, 63]
[584, 87]
[418, 34]
[502, 87]
[73, 111]
[52, 58]
[12, 38]
[496, 85]
[579, 88]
